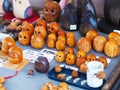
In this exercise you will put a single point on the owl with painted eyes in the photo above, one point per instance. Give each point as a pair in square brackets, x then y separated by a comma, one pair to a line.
[51, 11]
[24, 38]
[60, 56]
[15, 55]
[4, 6]
[22, 9]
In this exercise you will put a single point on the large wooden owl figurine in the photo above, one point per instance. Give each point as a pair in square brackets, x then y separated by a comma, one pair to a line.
[22, 9]
[4, 6]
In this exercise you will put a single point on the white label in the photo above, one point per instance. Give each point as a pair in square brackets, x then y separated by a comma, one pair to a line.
[2, 61]
[30, 55]
[3, 35]
[33, 55]
[49, 54]
[116, 31]
[73, 27]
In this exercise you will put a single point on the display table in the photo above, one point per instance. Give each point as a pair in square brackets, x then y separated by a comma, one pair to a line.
[22, 82]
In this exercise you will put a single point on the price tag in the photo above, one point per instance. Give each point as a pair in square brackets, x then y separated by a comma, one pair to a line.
[73, 27]
[2, 61]
[32, 55]
[116, 31]
[49, 54]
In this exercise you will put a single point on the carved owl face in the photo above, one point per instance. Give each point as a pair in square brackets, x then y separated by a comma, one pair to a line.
[40, 30]
[91, 57]
[60, 56]
[24, 38]
[51, 11]
[53, 27]
[7, 43]
[15, 54]
[69, 50]
[70, 59]
[81, 53]
[37, 41]
[28, 27]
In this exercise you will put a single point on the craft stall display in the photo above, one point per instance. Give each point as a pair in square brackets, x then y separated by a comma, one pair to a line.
[63, 46]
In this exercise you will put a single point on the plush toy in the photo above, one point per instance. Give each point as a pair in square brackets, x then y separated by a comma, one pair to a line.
[22, 9]
[4, 6]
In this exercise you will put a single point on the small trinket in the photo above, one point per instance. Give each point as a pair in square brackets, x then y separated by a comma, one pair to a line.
[76, 80]
[30, 73]
[68, 78]
[83, 82]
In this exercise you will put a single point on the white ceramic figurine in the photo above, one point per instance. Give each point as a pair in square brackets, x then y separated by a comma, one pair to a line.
[4, 6]
[22, 9]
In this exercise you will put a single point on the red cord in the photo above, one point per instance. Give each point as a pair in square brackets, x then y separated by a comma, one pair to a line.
[12, 75]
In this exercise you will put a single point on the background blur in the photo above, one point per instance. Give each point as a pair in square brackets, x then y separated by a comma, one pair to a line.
[98, 4]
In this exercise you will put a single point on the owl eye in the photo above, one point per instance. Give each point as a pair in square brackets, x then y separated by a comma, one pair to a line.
[24, 37]
[46, 10]
[38, 32]
[52, 11]
[52, 28]
[68, 52]
[20, 2]
[20, 36]
[27, 29]
[102, 62]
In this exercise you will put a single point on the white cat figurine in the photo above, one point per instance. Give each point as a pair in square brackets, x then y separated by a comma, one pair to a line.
[22, 9]
[4, 6]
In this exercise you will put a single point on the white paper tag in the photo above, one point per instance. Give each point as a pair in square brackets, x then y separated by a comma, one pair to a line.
[3, 35]
[2, 61]
[116, 31]
[32, 55]
[73, 27]
[49, 54]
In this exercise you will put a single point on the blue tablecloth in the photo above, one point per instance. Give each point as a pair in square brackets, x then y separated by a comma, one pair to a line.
[22, 82]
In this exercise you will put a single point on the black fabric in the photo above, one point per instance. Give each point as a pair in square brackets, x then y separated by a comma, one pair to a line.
[105, 27]
[68, 17]
[112, 11]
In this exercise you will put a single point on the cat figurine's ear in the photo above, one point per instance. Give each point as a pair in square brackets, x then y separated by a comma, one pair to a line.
[22, 9]
[63, 3]
[4, 6]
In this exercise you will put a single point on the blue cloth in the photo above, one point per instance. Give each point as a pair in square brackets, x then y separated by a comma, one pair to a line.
[22, 82]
